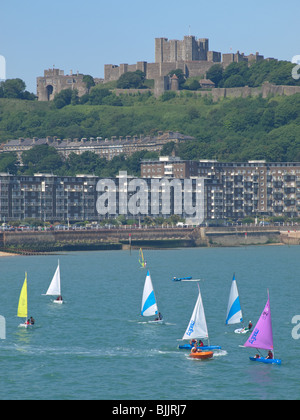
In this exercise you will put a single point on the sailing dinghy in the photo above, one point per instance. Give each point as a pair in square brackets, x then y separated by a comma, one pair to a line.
[23, 306]
[149, 303]
[197, 327]
[55, 287]
[262, 337]
[234, 310]
[142, 261]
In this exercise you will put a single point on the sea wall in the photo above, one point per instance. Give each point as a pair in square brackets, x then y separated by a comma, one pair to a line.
[243, 237]
[116, 238]
[290, 237]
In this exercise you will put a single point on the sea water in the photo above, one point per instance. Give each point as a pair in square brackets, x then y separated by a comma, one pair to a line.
[97, 346]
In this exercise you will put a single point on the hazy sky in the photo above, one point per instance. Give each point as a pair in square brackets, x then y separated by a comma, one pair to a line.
[84, 35]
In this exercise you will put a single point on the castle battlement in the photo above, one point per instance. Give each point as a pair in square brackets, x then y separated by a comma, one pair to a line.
[191, 55]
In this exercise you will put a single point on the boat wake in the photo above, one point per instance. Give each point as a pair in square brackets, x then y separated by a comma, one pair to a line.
[219, 353]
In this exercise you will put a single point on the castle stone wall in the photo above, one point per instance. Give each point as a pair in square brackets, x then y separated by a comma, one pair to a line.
[265, 90]
[54, 81]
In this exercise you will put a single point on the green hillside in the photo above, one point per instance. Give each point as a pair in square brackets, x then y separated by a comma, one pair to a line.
[229, 130]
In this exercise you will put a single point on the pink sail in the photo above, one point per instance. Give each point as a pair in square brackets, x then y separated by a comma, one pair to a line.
[262, 335]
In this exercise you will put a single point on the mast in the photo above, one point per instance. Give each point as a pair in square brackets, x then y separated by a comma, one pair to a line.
[59, 278]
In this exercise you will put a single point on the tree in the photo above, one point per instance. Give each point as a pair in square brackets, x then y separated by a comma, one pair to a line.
[194, 85]
[15, 89]
[215, 74]
[97, 95]
[8, 163]
[65, 97]
[131, 80]
[89, 81]
[235, 80]
[42, 158]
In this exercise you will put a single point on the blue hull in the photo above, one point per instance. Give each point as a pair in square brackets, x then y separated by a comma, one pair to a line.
[182, 278]
[189, 347]
[267, 361]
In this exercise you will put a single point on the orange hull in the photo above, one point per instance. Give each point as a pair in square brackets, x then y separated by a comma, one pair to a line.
[202, 355]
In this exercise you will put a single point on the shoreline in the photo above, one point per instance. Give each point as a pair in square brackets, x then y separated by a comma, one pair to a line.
[133, 248]
[7, 254]
[41, 243]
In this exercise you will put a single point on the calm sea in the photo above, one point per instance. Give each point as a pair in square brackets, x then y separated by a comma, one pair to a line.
[97, 346]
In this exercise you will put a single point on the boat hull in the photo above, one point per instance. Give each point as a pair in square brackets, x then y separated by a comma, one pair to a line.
[242, 331]
[59, 302]
[201, 355]
[204, 348]
[181, 278]
[266, 361]
[25, 325]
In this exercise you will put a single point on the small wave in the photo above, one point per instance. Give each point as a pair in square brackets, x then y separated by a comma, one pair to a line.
[219, 353]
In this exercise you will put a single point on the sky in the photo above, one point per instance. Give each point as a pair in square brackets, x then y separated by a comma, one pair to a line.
[85, 35]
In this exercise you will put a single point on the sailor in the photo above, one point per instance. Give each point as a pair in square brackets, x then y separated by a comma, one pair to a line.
[249, 325]
[194, 349]
[159, 317]
[30, 321]
[270, 355]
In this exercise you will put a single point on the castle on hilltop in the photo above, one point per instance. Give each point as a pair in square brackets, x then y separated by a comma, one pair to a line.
[191, 55]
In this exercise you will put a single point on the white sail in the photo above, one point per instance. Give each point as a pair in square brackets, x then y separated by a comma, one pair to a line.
[54, 288]
[234, 311]
[149, 305]
[197, 327]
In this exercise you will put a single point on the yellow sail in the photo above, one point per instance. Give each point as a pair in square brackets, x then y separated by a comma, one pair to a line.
[141, 258]
[22, 308]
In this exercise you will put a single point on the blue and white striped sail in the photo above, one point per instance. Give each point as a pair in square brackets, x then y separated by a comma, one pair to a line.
[197, 327]
[234, 310]
[149, 305]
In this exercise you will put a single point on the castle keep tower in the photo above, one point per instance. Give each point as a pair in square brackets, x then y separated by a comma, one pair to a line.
[191, 55]
[190, 49]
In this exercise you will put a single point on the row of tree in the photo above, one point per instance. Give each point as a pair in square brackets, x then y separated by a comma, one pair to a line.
[241, 74]
[47, 159]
